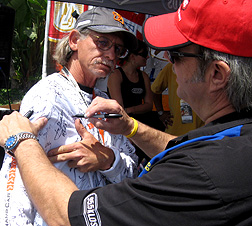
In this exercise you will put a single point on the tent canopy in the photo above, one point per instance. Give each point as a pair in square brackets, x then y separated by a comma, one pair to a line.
[153, 7]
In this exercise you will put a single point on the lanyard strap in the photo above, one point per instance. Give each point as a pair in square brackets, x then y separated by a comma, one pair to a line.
[231, 132]
[71, 79]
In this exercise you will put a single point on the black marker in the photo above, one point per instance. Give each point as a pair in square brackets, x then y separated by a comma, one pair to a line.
[99, 116]
[28, 114]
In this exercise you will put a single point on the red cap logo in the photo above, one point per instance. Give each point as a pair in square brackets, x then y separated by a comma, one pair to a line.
[184, 4]
[183, 7]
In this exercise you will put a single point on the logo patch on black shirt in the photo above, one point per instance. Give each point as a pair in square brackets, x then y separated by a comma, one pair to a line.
[90, 213]
[137, 90]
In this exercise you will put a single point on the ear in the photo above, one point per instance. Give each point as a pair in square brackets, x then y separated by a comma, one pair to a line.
[219, 75]
[74, 36]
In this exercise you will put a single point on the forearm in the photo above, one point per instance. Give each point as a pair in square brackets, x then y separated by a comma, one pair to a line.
[150, 140]
[48, 188]
[157, 98]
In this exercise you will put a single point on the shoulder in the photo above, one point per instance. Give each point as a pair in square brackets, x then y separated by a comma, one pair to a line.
[50, 80]
[166, 71]
[116, 75]
[145, 75]
[48, 89]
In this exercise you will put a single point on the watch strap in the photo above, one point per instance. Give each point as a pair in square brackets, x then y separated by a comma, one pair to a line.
[14, 140]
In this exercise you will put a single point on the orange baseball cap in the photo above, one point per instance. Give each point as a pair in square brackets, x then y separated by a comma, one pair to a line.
[222, 25]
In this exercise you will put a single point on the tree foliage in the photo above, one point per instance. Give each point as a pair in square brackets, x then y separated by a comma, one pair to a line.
[28, 39]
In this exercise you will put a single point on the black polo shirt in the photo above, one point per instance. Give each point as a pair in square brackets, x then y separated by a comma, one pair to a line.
[201, 183]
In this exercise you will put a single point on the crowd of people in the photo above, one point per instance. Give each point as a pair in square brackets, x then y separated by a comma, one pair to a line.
[199, 178]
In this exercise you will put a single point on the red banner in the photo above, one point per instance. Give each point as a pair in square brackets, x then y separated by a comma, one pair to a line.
[61, 19]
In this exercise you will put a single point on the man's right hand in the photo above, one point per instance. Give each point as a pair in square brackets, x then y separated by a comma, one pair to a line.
[122, 125]
[86, 155]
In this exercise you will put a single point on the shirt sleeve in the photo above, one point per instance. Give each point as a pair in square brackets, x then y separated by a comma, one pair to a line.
[125, 164]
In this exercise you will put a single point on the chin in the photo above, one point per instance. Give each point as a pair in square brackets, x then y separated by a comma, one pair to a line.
[105, 71]
[103, 75]
[179, 94]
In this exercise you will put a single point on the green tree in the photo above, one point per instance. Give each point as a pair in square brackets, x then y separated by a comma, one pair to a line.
[28, 39]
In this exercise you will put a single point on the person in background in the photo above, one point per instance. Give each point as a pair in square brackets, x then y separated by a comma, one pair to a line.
[181, 118]
[200, 178]
[88, 53]
[131, 88]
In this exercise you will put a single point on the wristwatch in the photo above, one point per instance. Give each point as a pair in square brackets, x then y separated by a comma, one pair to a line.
[160, 113]
[14, 140]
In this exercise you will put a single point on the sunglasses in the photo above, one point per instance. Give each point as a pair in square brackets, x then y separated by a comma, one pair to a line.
[174, 55]
[143, 54]
[104, 43]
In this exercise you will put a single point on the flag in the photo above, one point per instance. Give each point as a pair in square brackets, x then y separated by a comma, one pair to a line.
[59, 22]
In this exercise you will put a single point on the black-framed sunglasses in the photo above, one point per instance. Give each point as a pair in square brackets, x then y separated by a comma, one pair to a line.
[172, 55]
[104, 43]
[143, 54]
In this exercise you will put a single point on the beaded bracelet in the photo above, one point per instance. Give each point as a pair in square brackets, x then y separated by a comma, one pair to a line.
[133, 132]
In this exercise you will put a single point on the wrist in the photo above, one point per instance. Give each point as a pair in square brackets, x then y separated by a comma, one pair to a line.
[134, 129]
[110, 156]
[13, 141]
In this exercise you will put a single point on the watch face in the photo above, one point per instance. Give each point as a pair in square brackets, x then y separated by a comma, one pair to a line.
[10, 142]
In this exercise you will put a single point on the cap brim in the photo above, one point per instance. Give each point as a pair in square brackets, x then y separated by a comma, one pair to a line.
[130, 39]
[160, 32]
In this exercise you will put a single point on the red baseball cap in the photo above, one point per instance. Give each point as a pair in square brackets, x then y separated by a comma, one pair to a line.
[222, 25]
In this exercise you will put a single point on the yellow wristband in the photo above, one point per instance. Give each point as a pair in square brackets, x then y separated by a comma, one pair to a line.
[133, 132]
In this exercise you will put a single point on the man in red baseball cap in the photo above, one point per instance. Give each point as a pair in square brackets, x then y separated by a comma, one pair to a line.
[201, 178]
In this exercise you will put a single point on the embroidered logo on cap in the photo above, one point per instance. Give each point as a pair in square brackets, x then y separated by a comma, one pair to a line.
[118, 17]
[182, 7]
[185, 4]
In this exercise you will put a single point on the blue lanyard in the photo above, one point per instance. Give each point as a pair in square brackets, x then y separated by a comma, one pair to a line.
[231, 132]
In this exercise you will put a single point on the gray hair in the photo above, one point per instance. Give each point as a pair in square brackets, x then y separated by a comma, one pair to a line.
[239, 86]
[63, 52]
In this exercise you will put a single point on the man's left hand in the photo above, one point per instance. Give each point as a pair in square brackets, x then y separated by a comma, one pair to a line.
[86, 155]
